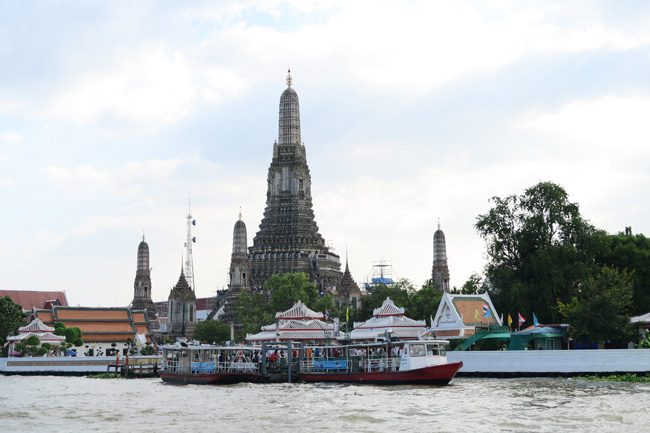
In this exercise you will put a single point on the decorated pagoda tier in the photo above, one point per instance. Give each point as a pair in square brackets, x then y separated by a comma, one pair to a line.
[298, 323]
[388, 319]
[44, 333]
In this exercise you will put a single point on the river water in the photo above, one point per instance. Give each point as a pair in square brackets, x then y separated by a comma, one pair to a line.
[78, 404]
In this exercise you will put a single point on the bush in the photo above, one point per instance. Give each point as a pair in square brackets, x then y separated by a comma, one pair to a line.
[32, 340]
[79, 343]
[72, 334]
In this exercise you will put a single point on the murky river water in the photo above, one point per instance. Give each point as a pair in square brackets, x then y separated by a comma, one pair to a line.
[78, 404]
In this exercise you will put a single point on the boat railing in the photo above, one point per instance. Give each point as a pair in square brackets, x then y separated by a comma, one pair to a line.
[352, 365]
[380, 364]
[175, 366]
[238, 366]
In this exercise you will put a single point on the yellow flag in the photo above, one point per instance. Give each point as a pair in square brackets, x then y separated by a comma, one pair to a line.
[509, 320]
[477, 315]
[347, 314]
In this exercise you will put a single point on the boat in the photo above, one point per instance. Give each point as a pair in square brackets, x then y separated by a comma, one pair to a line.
[207, 364]
[414, 362]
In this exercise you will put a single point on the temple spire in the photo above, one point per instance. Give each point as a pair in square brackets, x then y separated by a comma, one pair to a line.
[289, 79]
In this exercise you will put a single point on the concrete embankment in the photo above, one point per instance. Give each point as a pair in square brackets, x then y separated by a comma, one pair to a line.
[73, 365]
[516, 363]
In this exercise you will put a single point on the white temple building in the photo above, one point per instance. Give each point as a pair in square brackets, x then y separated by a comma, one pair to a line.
[388, 319]
[298, 323]
[44, 333]
[458, 316]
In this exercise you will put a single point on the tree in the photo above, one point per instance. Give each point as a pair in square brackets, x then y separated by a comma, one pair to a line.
[600, 309]
[287, 289]
[539, 248]
[473, 286]
[254, 310]
[11, 318]
[424, 302]
[399, 293]
[212, 331]
[625, 251]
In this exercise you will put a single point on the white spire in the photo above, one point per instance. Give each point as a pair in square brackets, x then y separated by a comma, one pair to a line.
[289, 79]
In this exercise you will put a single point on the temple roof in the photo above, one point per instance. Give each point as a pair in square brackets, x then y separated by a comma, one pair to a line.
[388, 308]
[182, 289]
[36, 326]
[292, 330]
[33, 299]
[299, 311]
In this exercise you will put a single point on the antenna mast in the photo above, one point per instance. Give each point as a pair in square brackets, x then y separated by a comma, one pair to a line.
[189, 262]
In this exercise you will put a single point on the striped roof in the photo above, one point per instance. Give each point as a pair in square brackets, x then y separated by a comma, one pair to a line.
[291, 330]
[388, 308]
[299, 311]
[42, 336]
[35, 326]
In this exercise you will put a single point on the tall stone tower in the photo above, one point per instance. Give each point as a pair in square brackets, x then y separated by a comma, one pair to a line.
[239, 273]
[142, 285]
[440, 271]
[288, 239]
[181, 309]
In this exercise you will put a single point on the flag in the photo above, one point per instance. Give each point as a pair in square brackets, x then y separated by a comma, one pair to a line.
[347, 314]
[477, 315]
[535, 322]
[521, 319]
[486, 311]
[509, 320]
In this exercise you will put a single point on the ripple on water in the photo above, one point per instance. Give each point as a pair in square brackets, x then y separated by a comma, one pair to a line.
[52, 404]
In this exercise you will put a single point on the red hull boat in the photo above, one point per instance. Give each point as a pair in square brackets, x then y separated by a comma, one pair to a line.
[205, 364]
[433, 375]
[209, 378]
[413, 362]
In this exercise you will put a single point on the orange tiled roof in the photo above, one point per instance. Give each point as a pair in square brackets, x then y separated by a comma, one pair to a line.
[45, 316]
[103, 327]
[79, 313]
[30, 299]
[138, 317]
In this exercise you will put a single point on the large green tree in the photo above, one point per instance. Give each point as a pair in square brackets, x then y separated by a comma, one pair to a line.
[600, 309]
[625, 251]
[539, 248]
[212, 331]
[11, 318]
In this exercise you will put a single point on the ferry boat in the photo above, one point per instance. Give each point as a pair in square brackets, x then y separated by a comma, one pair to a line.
[188, 363]
[417, 362]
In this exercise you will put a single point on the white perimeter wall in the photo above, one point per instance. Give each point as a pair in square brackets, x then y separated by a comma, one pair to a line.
[65, 364]
[553, 361]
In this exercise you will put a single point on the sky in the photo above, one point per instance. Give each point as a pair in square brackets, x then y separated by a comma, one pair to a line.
[112, 112]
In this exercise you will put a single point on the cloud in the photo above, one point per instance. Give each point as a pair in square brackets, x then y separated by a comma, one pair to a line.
[127, 180]
[150, 85]
[612, 127]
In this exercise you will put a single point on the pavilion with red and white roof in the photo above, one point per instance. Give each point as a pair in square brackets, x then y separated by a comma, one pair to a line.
[298, 323]
[389, 319]
[44, 333]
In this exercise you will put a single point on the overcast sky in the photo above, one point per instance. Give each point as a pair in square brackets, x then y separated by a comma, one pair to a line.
[110, 113]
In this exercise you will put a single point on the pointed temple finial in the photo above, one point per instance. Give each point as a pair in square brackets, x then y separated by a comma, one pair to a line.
[239, 213]
[289, 79]
[142, 235]
[438, 223]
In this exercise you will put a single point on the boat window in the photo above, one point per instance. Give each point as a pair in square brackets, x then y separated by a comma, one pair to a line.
[417, 350]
